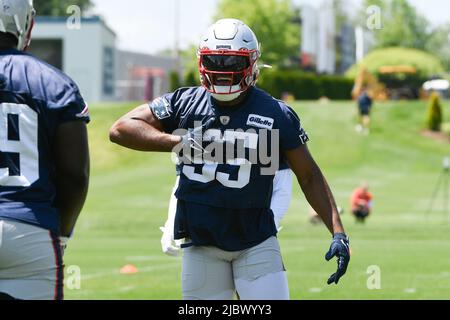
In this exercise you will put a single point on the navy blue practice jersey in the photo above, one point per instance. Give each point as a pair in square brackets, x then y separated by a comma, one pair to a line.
[234, 193]
[35, 99]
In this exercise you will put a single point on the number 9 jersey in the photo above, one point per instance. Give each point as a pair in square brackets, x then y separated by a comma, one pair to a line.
[35, 98]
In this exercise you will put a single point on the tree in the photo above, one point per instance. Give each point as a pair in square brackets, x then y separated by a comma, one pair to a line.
[434, 116]
[58, 7]
[402, 26]
[439, 44]
[274, 23]
[341, 13]
[189, 59]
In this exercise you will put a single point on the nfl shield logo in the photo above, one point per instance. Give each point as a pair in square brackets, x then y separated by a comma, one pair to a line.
[225, 120]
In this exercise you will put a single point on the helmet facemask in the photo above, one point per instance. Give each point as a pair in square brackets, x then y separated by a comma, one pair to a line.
[225, 73]
[24, 42]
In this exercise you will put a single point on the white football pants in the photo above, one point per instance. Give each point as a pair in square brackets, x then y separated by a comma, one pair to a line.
[31, 266]
[257, 273]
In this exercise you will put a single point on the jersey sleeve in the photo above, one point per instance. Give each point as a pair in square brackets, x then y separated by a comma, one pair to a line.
[75, 109]
[292, 134]
[64, 98]
[164, 108]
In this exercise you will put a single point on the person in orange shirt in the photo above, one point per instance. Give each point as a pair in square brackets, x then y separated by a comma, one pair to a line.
[361, 202]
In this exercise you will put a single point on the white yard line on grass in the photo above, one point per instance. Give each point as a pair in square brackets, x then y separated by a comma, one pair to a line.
[410, 290]
[127, 288]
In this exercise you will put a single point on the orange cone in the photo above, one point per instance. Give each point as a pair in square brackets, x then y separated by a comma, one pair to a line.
[128, 269]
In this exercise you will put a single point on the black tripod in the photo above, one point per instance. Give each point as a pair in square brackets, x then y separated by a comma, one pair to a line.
[444, 181]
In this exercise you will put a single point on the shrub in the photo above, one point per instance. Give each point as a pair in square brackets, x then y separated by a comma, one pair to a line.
[174, 81]
[336, 87]
[305, 86]
[426, 64]
[191, 79]
[434, 117]
[404, 68]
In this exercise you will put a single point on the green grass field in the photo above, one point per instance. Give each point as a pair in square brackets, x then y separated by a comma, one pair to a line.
[129, 194]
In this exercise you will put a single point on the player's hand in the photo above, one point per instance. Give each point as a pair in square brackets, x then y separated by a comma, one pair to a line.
[194, 138]
[167, 245]
[340, 248]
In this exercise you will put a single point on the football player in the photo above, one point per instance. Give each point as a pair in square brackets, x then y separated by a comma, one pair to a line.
[44, 162]
[223, 198]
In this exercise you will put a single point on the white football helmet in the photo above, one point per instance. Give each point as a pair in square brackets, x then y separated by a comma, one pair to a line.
[227, 59]
[17, 18]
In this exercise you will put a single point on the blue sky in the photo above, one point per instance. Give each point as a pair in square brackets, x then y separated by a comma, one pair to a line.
[149, 25]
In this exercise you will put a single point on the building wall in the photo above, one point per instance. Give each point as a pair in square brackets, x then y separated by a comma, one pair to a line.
[318, 37]
[108, 56]
[83, 52]
[91, 59]
[310, 30]
[326, 59]
[142, 76]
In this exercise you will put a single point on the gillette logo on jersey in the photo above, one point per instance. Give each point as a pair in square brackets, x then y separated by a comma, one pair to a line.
[260, 121]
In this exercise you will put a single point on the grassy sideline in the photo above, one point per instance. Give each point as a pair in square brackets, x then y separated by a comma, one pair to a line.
[129, 194]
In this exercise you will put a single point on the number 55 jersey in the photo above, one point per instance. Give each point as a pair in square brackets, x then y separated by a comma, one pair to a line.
[225, 189]
[35, 99]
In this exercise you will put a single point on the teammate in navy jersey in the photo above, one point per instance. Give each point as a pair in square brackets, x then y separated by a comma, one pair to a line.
[44, 162]
[231, 137]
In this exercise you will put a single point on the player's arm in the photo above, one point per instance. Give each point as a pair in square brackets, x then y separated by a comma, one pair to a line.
[141, 130]
[315, 187]
[72, 172]
[319, 196]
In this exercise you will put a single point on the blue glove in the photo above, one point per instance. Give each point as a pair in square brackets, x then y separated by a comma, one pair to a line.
[339, 248]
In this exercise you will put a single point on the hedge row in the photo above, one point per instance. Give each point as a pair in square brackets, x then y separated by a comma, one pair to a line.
[303, 86]
[306, 86]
